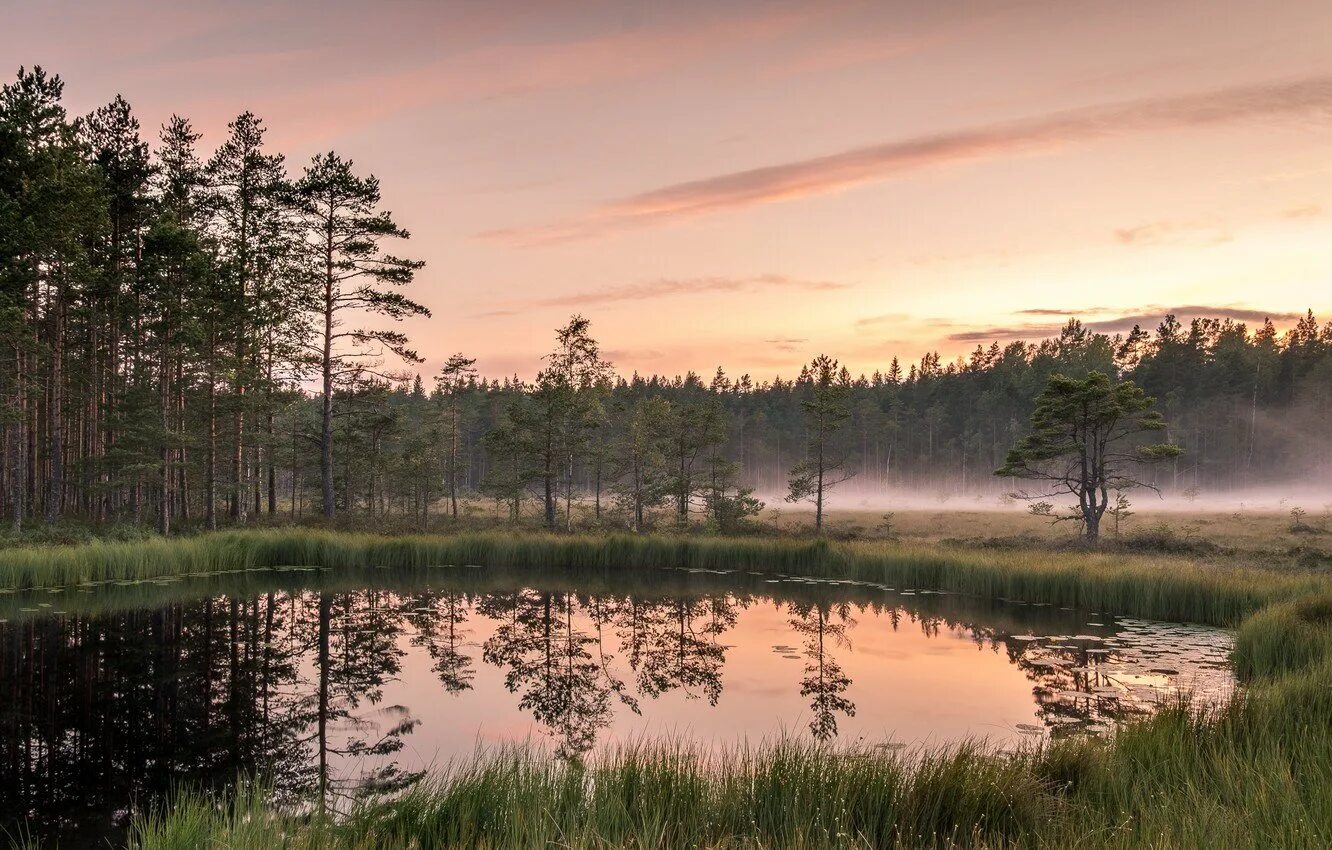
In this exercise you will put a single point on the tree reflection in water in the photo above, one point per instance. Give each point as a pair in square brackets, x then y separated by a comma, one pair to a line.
[673, 644]
[356, 653]
[548, 663]
[118, 703]
[823, 626]
[439, 621]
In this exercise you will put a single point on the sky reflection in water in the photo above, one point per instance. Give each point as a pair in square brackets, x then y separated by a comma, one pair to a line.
[368, 679]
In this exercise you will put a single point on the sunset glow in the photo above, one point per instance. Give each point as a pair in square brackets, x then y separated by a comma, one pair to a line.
[750, 183]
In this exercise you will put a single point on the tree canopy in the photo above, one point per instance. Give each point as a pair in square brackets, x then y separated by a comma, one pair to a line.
[1085, 442]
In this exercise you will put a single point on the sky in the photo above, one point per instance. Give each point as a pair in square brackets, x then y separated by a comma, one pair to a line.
[752, 183]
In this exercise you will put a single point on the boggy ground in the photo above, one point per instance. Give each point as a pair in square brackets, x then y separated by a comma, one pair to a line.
[1226, 528]
[1267, 537]
[1259, 536]
[1256, 773]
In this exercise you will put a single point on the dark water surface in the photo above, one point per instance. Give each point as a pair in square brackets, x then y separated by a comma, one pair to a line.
[111, 695]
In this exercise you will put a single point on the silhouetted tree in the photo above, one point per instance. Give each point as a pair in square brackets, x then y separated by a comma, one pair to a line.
[826, 409]
[345, 229]
[1083, 443]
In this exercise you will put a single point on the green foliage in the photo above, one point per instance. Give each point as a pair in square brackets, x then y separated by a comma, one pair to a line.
[1121, 510]
[733, 510]
[639, 461]
[1084, 443]
[826, 409]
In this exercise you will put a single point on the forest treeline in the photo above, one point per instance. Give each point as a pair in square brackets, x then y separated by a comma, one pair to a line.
[194, 339]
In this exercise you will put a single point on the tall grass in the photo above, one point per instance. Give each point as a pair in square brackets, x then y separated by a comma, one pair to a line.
[1145, 586]
[780, 795]
[1285, 637]
[1254, 774]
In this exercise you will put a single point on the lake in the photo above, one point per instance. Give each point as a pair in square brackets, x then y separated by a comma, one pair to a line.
[362, 680]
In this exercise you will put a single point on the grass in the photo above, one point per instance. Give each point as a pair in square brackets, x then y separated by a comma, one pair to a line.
[1256, 772]
[1129, 584]
[785, 794]
[1286, 637]
[1245, 528]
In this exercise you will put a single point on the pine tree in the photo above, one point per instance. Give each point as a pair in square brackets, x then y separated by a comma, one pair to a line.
[825, 463]
[345, 230]
[248, 190]
[641, 468]
[454, 379]
[1084, 444]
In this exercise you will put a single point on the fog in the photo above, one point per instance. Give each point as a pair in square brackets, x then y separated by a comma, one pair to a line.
[854, 496]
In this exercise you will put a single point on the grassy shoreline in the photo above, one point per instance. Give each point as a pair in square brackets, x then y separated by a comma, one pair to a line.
[1169, 587]
[1256, 773]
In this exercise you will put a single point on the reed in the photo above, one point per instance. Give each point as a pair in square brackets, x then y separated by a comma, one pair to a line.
[1285, 637]
[1253, 774]
[786, 794]
[1162, 587]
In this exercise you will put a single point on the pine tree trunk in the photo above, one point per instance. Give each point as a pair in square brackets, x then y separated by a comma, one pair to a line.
[210, 477]
[326, 409]
[164, 470]
[55, 490]
[272, 469]
[182, 476]
[15, 439]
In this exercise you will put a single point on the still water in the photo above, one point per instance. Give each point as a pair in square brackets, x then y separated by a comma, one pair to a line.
[109, 695]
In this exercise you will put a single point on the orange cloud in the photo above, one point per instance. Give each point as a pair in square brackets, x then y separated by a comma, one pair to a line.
[665, 287]
[877, 163]
[1307, 211]
[1147, 318]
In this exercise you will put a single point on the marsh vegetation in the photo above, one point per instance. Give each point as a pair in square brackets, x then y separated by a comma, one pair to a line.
[1122, 788]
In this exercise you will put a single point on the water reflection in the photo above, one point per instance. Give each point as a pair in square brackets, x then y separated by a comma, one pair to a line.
[331, 687]
[548, 661]
[823, 627]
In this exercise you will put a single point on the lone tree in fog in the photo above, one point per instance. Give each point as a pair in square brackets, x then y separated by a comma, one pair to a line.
[826, 410]
[1085, 442]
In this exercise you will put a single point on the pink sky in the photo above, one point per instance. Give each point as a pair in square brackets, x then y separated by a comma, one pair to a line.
[752, 183]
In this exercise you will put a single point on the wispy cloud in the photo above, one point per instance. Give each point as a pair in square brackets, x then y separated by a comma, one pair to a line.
[1048, 311]
[666, 287]
[786, 343]
[885, 161]
[510, 64]
[1307, 211]
[1174, 232]
[882, 319]
[633, 354]
[1147, 317]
